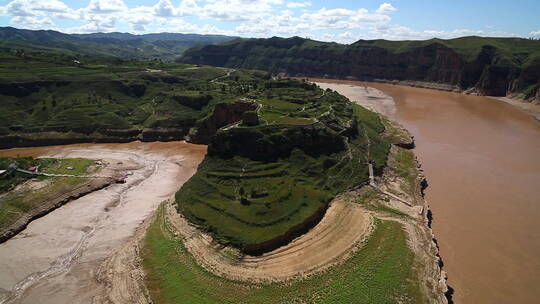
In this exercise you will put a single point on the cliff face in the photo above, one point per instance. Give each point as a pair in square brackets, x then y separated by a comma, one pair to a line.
[222, 115]
[491, 66]
[274, 142]
[102, 136]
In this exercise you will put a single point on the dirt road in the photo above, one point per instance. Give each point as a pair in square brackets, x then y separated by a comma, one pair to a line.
[344, 226]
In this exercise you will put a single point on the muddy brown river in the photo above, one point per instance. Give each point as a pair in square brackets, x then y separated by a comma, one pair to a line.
[56, 258]
[482, 161]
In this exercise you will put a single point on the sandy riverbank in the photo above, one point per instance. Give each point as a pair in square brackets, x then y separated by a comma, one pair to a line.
[531, 108]
[74, 241]
[51, 198]
[344, 227]
[376, 100]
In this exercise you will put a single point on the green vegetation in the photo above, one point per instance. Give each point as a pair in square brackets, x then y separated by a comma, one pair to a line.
[372, 200]
[15, 204]
[166, 46]
[262, 185]
[264, 181]
[380, 272]
[491, 65]
[100, 97]
[406, 169]
[12, 178]
[49, 165]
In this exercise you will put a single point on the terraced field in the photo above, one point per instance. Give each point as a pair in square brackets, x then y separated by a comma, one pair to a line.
[344, 227]
[379, 272]
[261, 186]
[100, 97]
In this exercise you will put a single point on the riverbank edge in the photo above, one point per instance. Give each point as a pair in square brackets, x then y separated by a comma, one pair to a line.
[529, 106]
[41, 139]
[78, 192]
[439, 275]
[427, 214]
[406, 141]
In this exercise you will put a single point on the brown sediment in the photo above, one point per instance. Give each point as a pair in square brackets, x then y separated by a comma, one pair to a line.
[343, 228]
[529, 106]
[363, 95]
[122, 275]
[52, 201]
[481, 159]
[532, 108]
[64, 250]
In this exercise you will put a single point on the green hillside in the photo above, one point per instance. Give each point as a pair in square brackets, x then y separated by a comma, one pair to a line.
[166, 46]
[493, 66]
[260, 186]
[55, 93]
[278, 150]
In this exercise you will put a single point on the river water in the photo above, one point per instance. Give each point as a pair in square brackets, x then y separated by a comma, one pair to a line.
[56, 258]
[482, 161]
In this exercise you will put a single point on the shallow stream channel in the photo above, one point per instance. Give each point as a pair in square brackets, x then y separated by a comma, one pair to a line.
[57, 257]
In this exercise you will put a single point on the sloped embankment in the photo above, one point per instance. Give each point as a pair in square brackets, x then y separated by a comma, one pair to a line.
[35, 199]
[344, 227]
[262, 186]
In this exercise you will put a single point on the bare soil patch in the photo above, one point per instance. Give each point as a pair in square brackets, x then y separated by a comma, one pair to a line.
[343, 228]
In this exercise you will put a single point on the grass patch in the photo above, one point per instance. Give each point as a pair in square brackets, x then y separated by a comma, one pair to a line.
[16, 204]
[260, 183]
[406, 169]
[371, 199]
[380, 272]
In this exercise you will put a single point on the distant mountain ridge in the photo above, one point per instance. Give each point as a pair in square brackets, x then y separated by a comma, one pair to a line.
[165, 46]
[490, 66]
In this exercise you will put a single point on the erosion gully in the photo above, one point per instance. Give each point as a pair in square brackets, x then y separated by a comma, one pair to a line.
[55, 259]
[481, 160]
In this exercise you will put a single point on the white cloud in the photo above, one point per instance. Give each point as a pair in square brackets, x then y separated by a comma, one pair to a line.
[188, 7]
[385, 8]
[164, 8]
[20, 8]
[249, 18]
[535, 34]
[343, 19]
[398, 32]
[105, 6]
[298, 4]
[181, 26]
[33, 23]
[238, 10]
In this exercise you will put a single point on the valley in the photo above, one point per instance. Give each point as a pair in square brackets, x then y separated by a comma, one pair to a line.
[187, 168]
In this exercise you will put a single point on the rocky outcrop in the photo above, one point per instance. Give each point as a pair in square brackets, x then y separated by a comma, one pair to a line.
[56, 138]
[101, 136]
[163, 134]
[470, 62]
[275, 141]
[223, 114]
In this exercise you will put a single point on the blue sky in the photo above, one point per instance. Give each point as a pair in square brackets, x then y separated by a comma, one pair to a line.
[338, 20]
